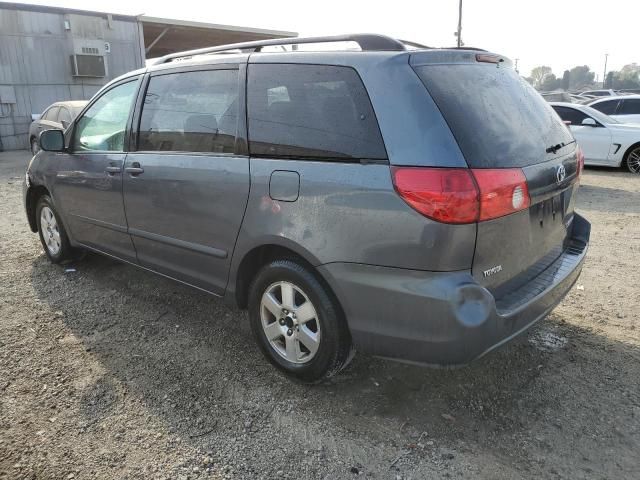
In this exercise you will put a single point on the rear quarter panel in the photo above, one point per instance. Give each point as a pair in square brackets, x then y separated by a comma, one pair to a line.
[349, 212]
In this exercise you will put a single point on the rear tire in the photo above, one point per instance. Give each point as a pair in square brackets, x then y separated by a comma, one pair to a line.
[52, 234]
[632, 160]
[298, 324]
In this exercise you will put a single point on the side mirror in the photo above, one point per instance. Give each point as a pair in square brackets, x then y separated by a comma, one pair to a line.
[51, 141]
[64, 124]
[589, 122]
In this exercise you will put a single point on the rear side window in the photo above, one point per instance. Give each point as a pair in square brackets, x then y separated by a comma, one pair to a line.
[630, 107]
[498, 119]
[190, 112]
[608, 107]
[311, 111]
[64, 116]
[569, 114]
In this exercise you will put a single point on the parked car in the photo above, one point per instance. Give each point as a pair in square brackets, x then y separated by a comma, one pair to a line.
[59, 115]
[557, 96]
[412, 204]
[603, 140]
[599, 93]
[625, 109]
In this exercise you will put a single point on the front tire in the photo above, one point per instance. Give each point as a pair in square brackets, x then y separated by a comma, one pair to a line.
[632, 160]
[52, 234]
[298, 324]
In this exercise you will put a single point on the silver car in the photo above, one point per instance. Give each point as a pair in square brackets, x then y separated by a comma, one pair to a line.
[57, 116]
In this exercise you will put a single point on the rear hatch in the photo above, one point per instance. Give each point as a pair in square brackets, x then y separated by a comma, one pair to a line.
[501, 122]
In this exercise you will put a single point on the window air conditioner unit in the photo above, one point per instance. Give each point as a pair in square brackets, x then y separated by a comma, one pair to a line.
[87, 65]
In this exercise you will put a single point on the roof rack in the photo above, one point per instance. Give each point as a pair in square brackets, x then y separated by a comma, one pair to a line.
[367, 42]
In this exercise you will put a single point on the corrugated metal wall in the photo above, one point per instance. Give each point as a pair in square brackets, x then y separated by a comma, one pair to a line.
[35, 51]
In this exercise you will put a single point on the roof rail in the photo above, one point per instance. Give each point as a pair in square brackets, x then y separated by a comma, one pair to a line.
[367, 42]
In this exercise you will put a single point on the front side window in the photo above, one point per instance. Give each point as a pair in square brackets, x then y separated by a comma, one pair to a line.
[190, 112]
[570, 115]
[311, 111]
[630, 107]
[103, 125]
[608, 107]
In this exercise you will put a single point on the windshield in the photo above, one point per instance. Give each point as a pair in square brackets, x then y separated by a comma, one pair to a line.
[599, 116]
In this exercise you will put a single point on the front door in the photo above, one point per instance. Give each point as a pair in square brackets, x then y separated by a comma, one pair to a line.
[186, 186]
[595, 142]
[88, 185]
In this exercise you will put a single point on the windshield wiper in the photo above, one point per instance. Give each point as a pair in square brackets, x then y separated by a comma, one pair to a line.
[554, 148]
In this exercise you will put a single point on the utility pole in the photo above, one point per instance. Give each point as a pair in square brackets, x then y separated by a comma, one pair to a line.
[517, 60]
[604, 75]
[459, 32]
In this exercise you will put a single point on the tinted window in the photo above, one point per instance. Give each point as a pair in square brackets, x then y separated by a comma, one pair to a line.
[51, 115]
[190, 112]
[498, 119]
[64, 116]
[572, 115]
[630, 107]
[311, 111]
[607, 107]
[103, 125]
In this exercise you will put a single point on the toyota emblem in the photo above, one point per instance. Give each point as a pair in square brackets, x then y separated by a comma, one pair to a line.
[561, 174]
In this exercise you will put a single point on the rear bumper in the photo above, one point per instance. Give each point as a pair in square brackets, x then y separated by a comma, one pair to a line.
[446, 318]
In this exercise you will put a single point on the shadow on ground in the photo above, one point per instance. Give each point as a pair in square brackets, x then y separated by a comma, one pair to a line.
[560, 396]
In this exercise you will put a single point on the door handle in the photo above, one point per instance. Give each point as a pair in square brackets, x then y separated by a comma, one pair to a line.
[134, 169]
[112, 169]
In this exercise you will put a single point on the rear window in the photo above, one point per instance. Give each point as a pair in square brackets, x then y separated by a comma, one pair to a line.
[630, 107]
[310, 111]
[498, 119]
[608, 107]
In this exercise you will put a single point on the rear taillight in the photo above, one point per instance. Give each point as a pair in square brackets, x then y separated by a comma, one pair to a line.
[580, 157]
[447, 195]
[502, 191]
[460, 195]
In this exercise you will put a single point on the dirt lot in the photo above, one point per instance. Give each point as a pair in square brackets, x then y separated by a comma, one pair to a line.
[110, 372]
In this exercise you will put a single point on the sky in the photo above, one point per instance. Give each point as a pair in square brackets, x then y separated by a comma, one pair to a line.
[557, 33]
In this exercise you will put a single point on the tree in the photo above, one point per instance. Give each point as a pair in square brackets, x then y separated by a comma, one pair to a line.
[550, 82]
[566, 80]
[611, 79]
[581, 77]
[538, 74]
[629, 76]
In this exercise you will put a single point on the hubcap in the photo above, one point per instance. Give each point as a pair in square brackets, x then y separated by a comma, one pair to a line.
[633, 161]
[50, 231]
[290, 322]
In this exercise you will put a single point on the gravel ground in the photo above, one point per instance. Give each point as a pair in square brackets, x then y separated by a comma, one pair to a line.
[110, 372]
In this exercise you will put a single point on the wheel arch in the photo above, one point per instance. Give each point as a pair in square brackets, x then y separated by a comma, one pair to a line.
[33, 195]
[627, 152]
[257, 257]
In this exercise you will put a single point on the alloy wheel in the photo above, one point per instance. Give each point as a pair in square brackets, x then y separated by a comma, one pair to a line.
[633, 161]
[50, 230]
[290, 322]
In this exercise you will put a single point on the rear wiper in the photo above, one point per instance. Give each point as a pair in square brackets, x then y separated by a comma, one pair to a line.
[555, 148]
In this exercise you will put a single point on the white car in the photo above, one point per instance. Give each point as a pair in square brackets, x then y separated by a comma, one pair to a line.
[625, 108]
[603, 140]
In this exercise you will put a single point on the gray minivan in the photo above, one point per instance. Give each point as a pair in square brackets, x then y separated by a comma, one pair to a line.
[414, 204]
